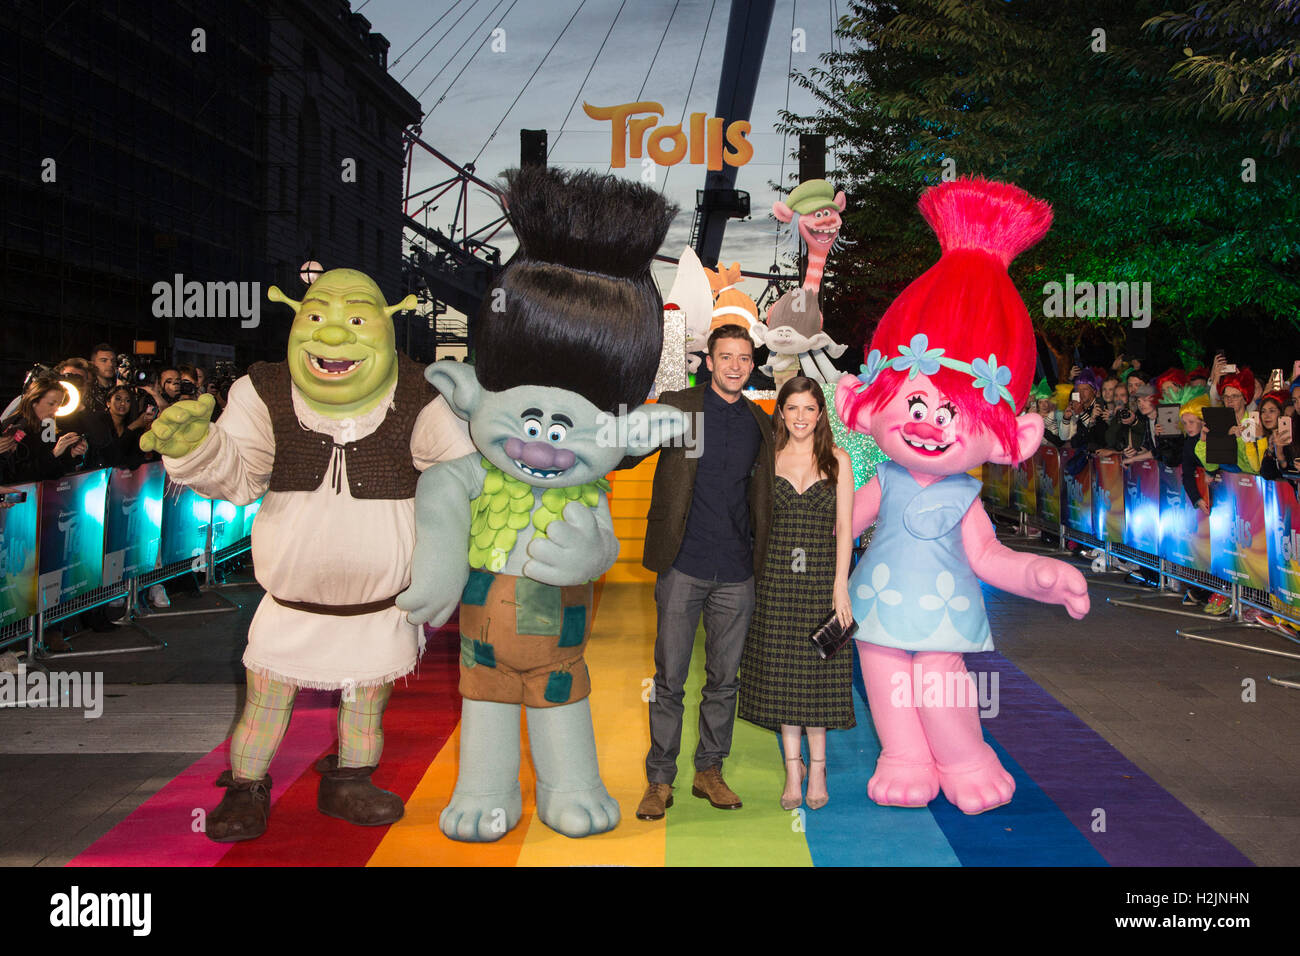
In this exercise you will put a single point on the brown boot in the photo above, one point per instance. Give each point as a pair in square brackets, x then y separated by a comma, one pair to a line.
[710, 785]
[242, 813]
[348, 794]
[658, 798]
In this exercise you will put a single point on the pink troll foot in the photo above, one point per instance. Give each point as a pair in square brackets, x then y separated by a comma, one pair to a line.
[897, 783]
[975, 789]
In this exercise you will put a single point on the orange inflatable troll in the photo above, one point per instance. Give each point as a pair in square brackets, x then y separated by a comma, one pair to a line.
[730, 305]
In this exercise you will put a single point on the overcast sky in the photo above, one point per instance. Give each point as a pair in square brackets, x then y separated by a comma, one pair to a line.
[462, 113]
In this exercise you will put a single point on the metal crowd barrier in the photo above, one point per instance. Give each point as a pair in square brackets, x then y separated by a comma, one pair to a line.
[21, 560]
[1001, 497]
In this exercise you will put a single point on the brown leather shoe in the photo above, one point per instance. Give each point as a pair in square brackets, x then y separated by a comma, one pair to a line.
[348, 794]
[658, 798]
[710, 785]
[243, 811]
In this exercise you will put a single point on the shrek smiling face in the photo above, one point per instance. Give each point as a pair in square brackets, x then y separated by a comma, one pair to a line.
[342, 351]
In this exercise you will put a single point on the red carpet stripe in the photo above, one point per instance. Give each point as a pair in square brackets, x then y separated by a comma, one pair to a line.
[421, 715]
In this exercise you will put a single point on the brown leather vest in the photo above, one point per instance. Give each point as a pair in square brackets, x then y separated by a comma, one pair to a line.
[378, 466]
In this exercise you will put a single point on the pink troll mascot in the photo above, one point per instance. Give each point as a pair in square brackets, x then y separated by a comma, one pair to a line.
[949, 365]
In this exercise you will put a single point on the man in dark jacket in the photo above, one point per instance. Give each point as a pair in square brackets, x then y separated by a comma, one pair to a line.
[706, 537]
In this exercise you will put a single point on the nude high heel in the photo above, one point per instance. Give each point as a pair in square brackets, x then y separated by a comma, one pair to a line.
[818, 804]
[803, 772]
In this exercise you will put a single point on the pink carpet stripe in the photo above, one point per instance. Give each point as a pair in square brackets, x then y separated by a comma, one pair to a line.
[160, 832]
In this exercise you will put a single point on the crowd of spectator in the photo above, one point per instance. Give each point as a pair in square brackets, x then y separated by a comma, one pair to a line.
[84, 414]
[1119, 411]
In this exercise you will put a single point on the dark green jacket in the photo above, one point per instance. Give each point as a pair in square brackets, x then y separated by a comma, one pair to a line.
[674, 487]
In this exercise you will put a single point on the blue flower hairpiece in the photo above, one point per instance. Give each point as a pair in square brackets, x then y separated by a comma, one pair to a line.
[917, 358]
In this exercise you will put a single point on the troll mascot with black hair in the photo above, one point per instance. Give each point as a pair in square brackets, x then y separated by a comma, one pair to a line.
[950, 364]
[568, 339]
[335, 436]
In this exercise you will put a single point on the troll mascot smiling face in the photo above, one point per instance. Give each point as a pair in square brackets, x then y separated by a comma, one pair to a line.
[948, 366]
[567, 340]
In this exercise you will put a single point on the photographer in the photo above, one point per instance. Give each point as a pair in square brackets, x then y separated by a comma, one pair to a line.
[188, 386]
[1087, 412]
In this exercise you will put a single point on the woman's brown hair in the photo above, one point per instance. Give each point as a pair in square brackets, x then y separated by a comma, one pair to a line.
[823, 443]
[34, 393]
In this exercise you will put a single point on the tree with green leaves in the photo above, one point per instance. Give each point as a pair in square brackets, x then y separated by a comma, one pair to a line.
[1085, 105]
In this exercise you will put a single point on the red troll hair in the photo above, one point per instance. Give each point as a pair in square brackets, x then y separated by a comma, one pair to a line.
[966, 303]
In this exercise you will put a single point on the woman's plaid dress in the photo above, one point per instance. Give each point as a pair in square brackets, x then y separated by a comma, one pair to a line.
[782, 680]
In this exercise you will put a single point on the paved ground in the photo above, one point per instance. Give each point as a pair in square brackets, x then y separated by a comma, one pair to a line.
[1174, 707]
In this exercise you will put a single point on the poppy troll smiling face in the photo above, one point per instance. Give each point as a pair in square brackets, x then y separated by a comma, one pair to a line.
[936, 415]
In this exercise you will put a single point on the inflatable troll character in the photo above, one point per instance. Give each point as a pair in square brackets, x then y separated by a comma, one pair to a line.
[567, 339]
[691, 293]
[794, 335]
[335, 436]
[949, 365]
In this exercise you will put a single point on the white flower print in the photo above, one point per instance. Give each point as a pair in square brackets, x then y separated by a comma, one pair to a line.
[879, 578]
[945, 585]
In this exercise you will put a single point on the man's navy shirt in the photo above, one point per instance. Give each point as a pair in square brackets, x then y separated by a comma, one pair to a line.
[718, 544]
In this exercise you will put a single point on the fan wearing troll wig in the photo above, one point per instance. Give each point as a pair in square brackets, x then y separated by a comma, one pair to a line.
[950, 363]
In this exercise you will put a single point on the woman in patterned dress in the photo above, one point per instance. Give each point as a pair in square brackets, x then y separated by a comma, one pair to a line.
[783, 683]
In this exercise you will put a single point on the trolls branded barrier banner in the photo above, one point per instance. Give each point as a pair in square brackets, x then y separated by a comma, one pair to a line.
[1282, 519]
[1184, 528]
[1076, 499]
[1239, 549]
[18, 524]
[76, 534]
[186, 517]
[1142, 506]
[133, 521]
[1024, 490]
[997, 485]
[1108, 497]
[1048, 465]
[71, 556]
[1251, 536]
[227, 524]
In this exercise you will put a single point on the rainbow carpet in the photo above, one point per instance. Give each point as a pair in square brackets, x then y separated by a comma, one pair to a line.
[1065, 773]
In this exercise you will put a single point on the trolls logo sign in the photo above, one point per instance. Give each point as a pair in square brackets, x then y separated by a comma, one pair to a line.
[1239, 531]
[705, 141]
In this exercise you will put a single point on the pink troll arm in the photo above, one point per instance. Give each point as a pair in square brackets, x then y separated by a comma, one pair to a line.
[1031, 576]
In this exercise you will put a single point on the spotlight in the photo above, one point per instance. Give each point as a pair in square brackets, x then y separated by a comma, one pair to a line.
[72, 402]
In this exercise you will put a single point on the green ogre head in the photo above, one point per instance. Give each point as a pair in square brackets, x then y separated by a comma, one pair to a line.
[342, 351]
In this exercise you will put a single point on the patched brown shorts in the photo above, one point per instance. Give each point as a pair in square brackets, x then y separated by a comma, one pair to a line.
[522, 642]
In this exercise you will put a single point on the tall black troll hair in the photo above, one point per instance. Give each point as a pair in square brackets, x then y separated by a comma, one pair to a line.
[580, 310]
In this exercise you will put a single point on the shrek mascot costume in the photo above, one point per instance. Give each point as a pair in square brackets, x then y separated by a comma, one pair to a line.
[567, 345]
[336, 438]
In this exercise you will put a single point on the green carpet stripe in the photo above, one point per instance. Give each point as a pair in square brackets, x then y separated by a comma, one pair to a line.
[758, 834]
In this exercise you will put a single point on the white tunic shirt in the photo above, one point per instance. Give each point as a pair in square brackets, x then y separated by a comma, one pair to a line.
[321, 546]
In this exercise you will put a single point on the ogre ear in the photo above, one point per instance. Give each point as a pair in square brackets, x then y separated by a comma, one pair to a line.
[275, 295]
[1029, 435]
[458, 384]
[651, 426]
[841, 200]
[782, 211]
[409, 302]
